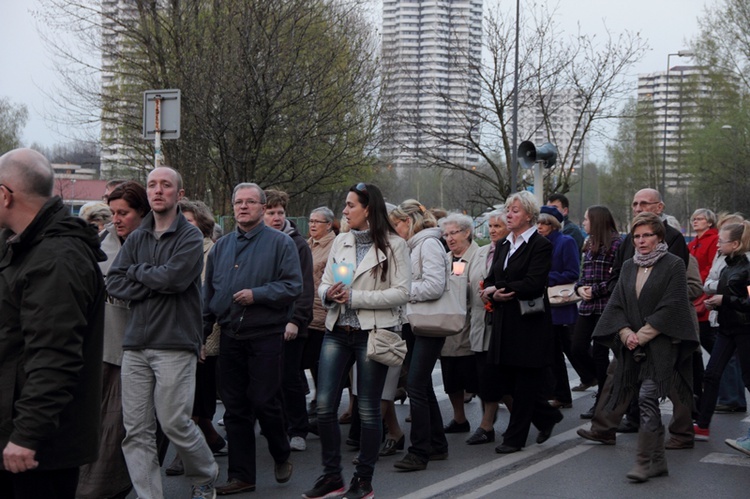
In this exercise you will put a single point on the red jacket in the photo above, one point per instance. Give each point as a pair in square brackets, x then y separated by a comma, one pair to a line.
[704, 248]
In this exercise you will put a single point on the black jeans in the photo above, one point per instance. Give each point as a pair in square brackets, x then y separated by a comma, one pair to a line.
[529, 404]
[561, 384]
[723, 350]
[250, 372]
[293, 388]
[36, 484]
[426, 421]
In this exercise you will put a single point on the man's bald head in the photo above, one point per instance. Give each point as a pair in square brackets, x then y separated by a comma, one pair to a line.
[175, 175]
[28, 172]
[648, 200]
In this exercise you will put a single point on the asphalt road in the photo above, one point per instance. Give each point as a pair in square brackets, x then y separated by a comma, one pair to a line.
[565, 466]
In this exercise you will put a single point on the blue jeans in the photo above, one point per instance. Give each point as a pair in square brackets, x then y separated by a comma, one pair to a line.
[427, 424]
[339, 348]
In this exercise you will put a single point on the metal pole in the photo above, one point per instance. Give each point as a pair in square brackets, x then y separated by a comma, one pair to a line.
[158, 156]
[539, 183]
[514, 152]
[583, 150]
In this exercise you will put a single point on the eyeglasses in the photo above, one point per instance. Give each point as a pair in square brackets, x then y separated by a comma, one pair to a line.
[249, 202]
[643, 236]
[643, 204]
[313, 222]
[452, 233]
[698, 219]
[6, 187]
[724, 242]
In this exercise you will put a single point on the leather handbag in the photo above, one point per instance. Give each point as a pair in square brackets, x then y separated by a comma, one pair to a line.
[562, 295]
[532, 306]
[445, 316]
[386, 347]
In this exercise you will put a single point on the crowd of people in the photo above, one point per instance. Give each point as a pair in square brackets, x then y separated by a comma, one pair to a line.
[119, 332]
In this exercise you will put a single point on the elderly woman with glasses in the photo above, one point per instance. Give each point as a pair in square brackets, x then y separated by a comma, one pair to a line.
[650, 324]
[456, 358]
[521, 345]
[366, 281]
[322, 234]
[479, 337]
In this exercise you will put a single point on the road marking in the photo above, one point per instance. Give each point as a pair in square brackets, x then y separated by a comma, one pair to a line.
[525, 473]
[502, 462]
[731, 459]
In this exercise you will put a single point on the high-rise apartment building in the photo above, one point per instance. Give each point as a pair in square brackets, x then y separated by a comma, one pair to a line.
[118, 154]
[673, 98]
[431, 93]
[554, 117]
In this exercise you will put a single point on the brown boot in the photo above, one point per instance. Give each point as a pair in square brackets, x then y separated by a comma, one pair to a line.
[658, 459]
[646, 445]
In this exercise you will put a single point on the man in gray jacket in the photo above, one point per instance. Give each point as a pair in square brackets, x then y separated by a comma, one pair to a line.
[158, 271]
[253, 278]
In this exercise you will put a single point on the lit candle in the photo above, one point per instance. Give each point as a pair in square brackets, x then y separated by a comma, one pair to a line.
[343, 272]
[459, 267]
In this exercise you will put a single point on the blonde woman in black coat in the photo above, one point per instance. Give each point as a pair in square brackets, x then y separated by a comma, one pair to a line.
[522, 344]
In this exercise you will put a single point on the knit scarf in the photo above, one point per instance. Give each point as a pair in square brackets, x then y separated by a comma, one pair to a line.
[649, 259]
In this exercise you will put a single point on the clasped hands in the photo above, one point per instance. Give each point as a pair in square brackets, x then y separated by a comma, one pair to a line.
[492, 293]
[338, 293]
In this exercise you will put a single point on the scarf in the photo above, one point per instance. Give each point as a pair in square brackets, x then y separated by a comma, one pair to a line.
[649, 259]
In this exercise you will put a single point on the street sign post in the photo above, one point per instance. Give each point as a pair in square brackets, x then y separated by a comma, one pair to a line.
[161, 118]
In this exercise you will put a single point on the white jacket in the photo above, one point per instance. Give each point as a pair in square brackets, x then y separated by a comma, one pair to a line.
[430, 266]
[376, 302]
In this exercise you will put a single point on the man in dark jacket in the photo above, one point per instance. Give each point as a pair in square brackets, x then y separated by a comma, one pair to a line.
[51, 321]
[569, 228]
[293, 383]
[253, 279]
[158, 270]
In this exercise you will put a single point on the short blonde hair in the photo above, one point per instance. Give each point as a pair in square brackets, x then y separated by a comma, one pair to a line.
[527, 202]
[96, 212]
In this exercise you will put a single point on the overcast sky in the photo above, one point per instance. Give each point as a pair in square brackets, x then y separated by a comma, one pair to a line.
[667, 25]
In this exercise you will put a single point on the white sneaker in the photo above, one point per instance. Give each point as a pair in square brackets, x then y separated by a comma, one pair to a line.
[298, 444]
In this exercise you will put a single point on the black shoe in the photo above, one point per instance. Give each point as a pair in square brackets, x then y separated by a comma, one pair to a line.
[219, 447]
[454, 427]
[590, 413]
[545, 433]
[176, 468]
[391, 446]
[410, 462]
[506, 449]
[354, 444]
[584, 386]
[725, 408]
[283, 471]
[481, 436]
[438, 455]
[359, 488]
[326, 486]
[627, 426]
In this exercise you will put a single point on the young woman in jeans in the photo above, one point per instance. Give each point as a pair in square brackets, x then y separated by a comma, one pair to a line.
[380, 283]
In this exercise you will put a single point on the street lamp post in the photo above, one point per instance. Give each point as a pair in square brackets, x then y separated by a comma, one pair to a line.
[681, 53]
[514, 151]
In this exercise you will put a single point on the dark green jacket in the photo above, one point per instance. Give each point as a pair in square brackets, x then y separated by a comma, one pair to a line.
[51, 322]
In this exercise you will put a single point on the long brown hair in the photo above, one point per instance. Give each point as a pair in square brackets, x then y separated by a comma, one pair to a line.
[602, 229]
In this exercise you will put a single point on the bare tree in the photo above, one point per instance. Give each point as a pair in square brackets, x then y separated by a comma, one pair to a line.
[557, 71]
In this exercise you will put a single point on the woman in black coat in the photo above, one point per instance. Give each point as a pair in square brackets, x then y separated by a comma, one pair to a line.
[522, 344]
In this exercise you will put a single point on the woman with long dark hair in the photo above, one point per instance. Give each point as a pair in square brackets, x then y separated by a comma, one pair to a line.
[374, 262]
[599, 252]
